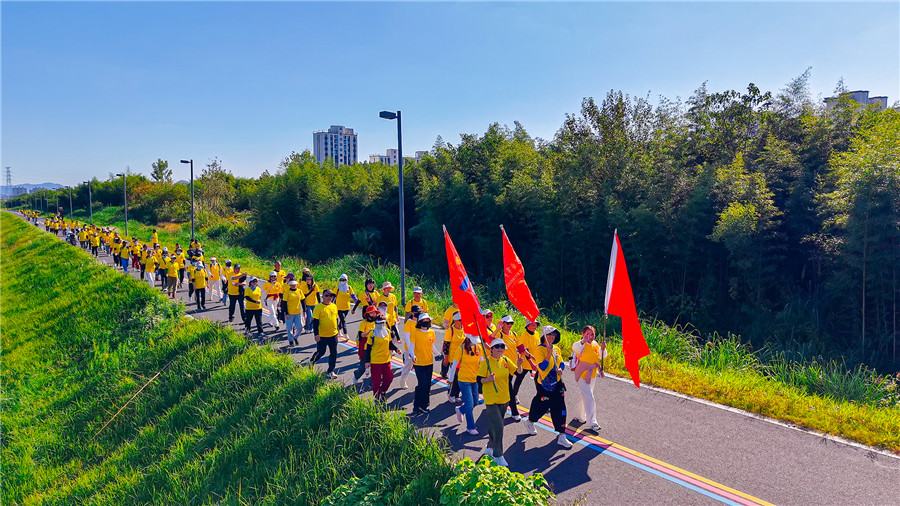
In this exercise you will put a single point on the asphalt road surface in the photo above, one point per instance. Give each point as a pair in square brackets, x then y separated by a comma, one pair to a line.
[654, 446]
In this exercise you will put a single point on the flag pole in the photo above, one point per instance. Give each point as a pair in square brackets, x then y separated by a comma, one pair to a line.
[486, 356]
[605, 319]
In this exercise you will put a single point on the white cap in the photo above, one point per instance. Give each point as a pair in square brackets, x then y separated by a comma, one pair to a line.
[473, 338]
[273, 273]
[424, 316]
[507, 319]
[457, 317]
[548, 329]
[343, 277]
[486, 311]
[293, 282]
[497, 341]
[417, 289]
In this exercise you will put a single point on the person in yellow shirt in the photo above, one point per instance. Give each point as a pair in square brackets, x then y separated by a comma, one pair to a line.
[180, 262]
[279, 273]
[378, 358]
[550, 395]
[344, 294]
[311, 297]
[150, 265]
[273, 290]
[406, 347]
[253, 300]
[390, 299]
[237, 282]
[447, 321]
[362, 336]
[497, 371]
[453, 340]
[466, 360]
[125, 256]
[505, 333]
[95, 244]
[587, 356]
[165, 265]
[200, 279]
[172, 276]
[421, 340]
[417, 300]
[325, 328]
[154, 237]
[226, 280]
[293, 321]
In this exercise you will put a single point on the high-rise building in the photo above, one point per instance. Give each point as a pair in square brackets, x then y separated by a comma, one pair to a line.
[337, 143]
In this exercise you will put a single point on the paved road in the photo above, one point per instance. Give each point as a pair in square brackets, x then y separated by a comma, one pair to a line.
[655, 447]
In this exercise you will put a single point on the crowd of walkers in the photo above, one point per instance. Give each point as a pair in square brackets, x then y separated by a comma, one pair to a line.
[486, 370]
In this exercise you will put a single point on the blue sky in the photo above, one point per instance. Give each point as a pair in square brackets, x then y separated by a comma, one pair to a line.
[90, 88]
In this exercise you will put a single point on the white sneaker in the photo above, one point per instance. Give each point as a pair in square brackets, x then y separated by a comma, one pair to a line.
[595, 426]
[489, 452]
[563, 441]
[529, 427]
[404, 386]
[516, 418]
[501, 461]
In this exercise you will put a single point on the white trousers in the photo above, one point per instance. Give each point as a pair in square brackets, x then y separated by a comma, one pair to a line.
[584, 406]
[148, 276]
[272, 305]
[407, 367]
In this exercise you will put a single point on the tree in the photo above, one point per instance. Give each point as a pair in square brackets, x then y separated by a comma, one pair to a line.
[161, 171]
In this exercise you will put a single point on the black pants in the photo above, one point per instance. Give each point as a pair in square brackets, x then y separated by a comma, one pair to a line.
[201, 298]
[190, 290]
[162, 273]
[514, 385]
[180, 276]
[342, 323]
[554, 401]
[232, 300]
[423, 385]
[283, 314]
[249, 315]
[94, 250]
[454, 388]
[445, 364]
[330, 344]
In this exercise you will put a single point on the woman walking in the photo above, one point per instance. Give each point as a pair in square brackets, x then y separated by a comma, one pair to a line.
[378, 359]
[467, 358]
[497, 371]
[200, 279]
[551, 391]
[273, 290]
[325, 329]
[293, 301]
[422, 341]
[587, 355]
[311, 297]
[253, 310]
[343, 295]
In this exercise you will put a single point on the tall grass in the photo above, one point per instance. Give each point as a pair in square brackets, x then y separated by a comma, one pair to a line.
[221, 422]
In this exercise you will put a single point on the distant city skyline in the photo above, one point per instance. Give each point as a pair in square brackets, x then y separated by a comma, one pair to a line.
[90, 88]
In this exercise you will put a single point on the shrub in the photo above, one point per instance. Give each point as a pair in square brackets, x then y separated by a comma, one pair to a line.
[486, 483]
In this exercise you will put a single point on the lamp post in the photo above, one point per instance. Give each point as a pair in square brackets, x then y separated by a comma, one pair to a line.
[191, 161]
[90, 201]
[389, 116]
[125, 199]
[70, 203]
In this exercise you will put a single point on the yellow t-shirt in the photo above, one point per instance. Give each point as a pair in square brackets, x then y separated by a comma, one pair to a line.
[510, 341]
[366, 326]
[553, 360]
[253, 297]
[468, 363]
[150, 263]
[215, 271]
[233, 288]
[342, 299]
[154, 239]
[589, 355]
[309, 293]
[173, 268]
[531, 342]
[272, 289]
[327, 316]
[189, 270]
[293, 299]
[391, 301]
[381, 348]
[502, 369]
[448, 315]
[179, 261]
[95, 240]
[422, 341]
[81, 235]
[200, 276]
[423, 305]
[408, 327]
[280, 275]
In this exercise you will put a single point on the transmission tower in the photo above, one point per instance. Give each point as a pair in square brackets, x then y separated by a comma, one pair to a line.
[8, 182]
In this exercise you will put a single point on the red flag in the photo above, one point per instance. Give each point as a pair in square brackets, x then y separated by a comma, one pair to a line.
[463, 294]
[620, 302]
[516, 287]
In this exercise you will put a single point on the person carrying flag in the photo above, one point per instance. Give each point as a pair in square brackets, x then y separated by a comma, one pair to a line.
[551, 390]
[501, 370]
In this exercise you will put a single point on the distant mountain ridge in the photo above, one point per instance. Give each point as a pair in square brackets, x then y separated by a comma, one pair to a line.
[30, 187]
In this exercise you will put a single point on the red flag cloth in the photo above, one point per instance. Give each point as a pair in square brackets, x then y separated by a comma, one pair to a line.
[463, 293]
[516, 287]
[620, 302]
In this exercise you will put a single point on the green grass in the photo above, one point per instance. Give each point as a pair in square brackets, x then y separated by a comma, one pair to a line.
[222, 422]
[826, 396]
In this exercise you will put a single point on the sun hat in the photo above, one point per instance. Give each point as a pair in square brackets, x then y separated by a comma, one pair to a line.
[457, 317]
[548, 329]
[424, 316]
[273, 273]
[486, 311]
[497, 341]
[507, 319]
[417, 289]
[387, 284]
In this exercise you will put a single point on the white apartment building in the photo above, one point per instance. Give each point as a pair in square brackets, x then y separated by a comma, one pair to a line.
[337, 143]
[391, 157]
[861, 97]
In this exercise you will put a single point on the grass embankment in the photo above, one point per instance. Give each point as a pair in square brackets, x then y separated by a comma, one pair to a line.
[221, 421]
[819, 394]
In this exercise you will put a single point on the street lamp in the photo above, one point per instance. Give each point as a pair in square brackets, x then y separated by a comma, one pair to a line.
[70, 203]
[391, 115]
[125, 200]
[90, 201]
[191, 161]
